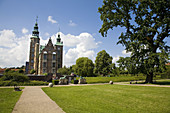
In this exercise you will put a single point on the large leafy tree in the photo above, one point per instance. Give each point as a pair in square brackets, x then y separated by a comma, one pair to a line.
[127, 64]
[84, 67]
[102, 63]
[147, 24]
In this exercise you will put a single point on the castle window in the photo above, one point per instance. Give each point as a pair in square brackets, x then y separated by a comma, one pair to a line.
[54, 71]
[59, 66]
[45, 56]
[45, 52]
[54, 57]
[44, 64]
[32, 49]
[44, 70]
[58, 53]
[53, 64]
[32, 61]
[59, 60]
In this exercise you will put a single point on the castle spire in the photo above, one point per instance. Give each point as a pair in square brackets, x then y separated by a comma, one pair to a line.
[35, 32]
[58, 38]
[37, 19]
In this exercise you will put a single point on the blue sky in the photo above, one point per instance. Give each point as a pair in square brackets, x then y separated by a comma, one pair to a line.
[78, 20]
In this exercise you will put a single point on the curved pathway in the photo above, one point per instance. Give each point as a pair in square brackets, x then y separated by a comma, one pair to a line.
[34, 100]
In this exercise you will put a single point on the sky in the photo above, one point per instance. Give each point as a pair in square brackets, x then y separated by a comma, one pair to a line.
[78, 22]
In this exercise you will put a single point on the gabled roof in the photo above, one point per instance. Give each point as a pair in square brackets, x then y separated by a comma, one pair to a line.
[41, 47]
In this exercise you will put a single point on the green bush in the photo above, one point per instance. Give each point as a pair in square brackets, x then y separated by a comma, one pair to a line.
[55, 82]
[32, 71]
[76, 81]
[14, 76]
[30, 83]
[21, 71]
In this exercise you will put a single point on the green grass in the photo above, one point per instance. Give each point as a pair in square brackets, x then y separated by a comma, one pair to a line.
[111, 99]
[8, 99]
[90, 80]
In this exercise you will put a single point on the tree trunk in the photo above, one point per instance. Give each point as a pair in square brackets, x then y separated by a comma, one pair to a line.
[149, 78]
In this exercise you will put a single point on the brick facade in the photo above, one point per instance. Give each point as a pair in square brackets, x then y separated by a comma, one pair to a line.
[45, 59]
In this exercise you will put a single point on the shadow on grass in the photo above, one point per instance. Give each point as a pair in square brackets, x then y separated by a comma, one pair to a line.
[162, 83]
[157, 82]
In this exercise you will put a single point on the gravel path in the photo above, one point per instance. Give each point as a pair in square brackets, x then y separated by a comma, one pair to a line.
[34, 100]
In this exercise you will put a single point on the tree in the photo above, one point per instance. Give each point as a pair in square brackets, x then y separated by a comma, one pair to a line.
[84, 67]
[127, 65]
[64, 71]
[114, 69]
[146, 24]
[102, 63]
[7, 70]
[21, 71]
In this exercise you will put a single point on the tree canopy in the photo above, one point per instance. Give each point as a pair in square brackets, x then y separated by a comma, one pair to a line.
[102, 63]
[64, 71]
[84, 67]
[127, 65]
[146, 24]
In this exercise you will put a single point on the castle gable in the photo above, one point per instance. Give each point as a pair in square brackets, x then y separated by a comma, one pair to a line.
[45, 58]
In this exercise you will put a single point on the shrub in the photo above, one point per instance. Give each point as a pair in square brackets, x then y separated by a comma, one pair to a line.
[55, 82]
[45, 74]
[21, 71]
[32, 71]
[30, 83]
[15, 76]
[76, 81]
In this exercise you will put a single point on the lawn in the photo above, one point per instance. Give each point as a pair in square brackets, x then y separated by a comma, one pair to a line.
[8, 99]
[114, 79]
[157, 82]
[111, 99]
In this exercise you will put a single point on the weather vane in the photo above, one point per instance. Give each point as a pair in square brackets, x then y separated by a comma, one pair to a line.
[36, 19]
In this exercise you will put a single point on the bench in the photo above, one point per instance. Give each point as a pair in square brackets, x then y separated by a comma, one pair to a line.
[17, 88]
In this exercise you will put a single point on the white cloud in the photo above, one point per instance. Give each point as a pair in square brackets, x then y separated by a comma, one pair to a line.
[124, 52]
[115, 59]
[24, 30]
[14, 51]
[47, 34]
[71, 23]
[51, 20]
[82, 45]
[7, 37]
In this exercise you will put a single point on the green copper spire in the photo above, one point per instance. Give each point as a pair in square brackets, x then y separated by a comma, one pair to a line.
[35, 33]
[59, 40]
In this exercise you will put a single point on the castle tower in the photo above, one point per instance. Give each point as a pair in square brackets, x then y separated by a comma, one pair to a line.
[59, 48]
[34, 50]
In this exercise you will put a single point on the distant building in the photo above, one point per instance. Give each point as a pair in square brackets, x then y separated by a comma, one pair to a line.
[45, 58]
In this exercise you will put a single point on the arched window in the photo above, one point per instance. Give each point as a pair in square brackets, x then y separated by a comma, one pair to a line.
[54, 55]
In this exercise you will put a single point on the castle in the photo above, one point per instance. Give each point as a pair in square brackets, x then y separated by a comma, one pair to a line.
[44, 58]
